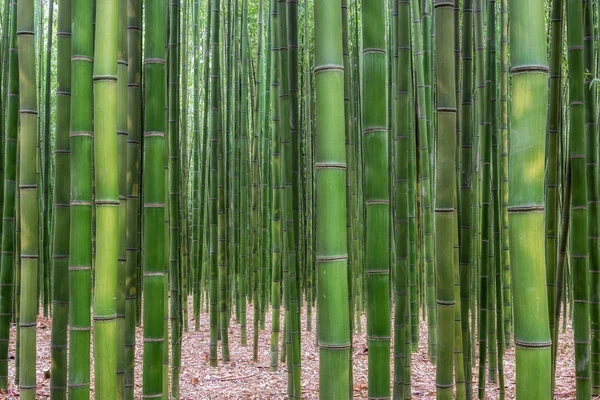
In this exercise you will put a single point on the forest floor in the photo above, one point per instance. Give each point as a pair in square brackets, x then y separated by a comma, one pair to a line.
[242, 378]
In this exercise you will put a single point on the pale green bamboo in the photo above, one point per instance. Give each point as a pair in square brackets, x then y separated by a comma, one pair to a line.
[107, 199]
[529, 73]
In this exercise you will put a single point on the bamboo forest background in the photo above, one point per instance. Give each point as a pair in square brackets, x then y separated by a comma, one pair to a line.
[325, 173]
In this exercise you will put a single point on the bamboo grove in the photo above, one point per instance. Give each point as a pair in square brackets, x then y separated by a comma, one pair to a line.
[292, 169]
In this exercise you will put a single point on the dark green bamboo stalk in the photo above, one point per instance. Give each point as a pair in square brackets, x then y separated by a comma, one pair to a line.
[593, 196]
[266, 174]
[487, 306]
[28, 186]
[205, 155]
[294, 120]
[255, 218]
[445, 207]
[401, 310]
[496, 298]
[214, 122]
[221, 225]
[196, 199]
[506, 286]
[330, 171]
[494, 234]
[526, 198]
[348, 134]
[426, 33]
[243, 171]
[60, 241]
[17, 259]
[376, 198]
[412, 218]
[466, 228]
[174, 192]
[8, 260]
[483, 192]
[425, 174]
[47, 178]
[122, 116]
[80, 255]
[154, 198]
[579, 214]
[134, 125]
[289, 241]
[277, 190]
[555, 83]
[184, 234]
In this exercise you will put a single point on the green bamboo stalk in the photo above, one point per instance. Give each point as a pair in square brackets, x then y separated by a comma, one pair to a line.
[266, 176]
[427, 34]
[330, 180]
[106, 162]
[376, 194]
[214, 121]
[5, 78]
[122, 116]
[28, 186]
[10, 189]
[579, 215]
[401, 311]
[294, 120]
[243, 171]
[425, 175]
[166, 266]
[184, 171]
[593, 195]
[256, 172]
[506, 286]
[17, 251]
[445, 207]
[174, 193]
[205, 155]
[196, 170]
[466, 184]
[46, 179]
[526, 198]
[60, 241]
[486, 271]
[412, 219]
[229, 111]
[555, 83]
[134, 124]
[494, 233]
[277, 190]
[221, 224]
[289, 241]
[479, 109]
[80, 256]
[154, 198]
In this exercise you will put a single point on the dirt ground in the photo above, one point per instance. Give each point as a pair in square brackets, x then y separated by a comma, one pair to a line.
[242, 378]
